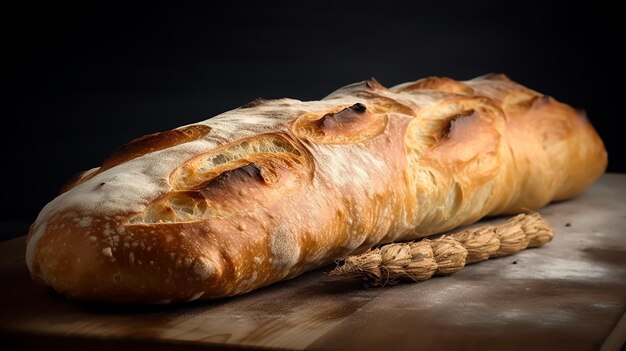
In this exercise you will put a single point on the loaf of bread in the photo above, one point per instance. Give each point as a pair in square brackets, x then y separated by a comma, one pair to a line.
[275, 188]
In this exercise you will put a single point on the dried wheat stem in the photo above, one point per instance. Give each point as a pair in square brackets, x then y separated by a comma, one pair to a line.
[418, 261]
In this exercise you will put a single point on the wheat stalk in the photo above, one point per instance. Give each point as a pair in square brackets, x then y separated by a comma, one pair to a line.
[418, 261]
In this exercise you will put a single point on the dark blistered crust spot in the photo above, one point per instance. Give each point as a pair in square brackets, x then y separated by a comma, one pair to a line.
[358, 108]
[345, 125]
[455, 141]
[248, 172]
[449, 126]
[348, 118]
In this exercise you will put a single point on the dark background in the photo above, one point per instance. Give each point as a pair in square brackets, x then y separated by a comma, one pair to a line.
[81, 79]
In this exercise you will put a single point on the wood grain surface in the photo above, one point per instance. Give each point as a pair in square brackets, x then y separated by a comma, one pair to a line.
[570, 294]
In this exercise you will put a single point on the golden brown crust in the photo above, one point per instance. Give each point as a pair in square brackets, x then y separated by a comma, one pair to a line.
[139, 147]
[154, 142]
[279, 187]
[441, 84]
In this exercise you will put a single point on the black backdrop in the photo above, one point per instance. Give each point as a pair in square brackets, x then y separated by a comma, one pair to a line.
[80, 80]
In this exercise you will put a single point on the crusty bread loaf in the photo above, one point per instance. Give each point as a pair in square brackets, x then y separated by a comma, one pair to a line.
[278, 187]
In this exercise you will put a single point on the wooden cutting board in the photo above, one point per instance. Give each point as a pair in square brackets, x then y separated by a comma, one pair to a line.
[570, 294]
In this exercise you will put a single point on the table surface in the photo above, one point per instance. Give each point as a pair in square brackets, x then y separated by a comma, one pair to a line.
[568, 295]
